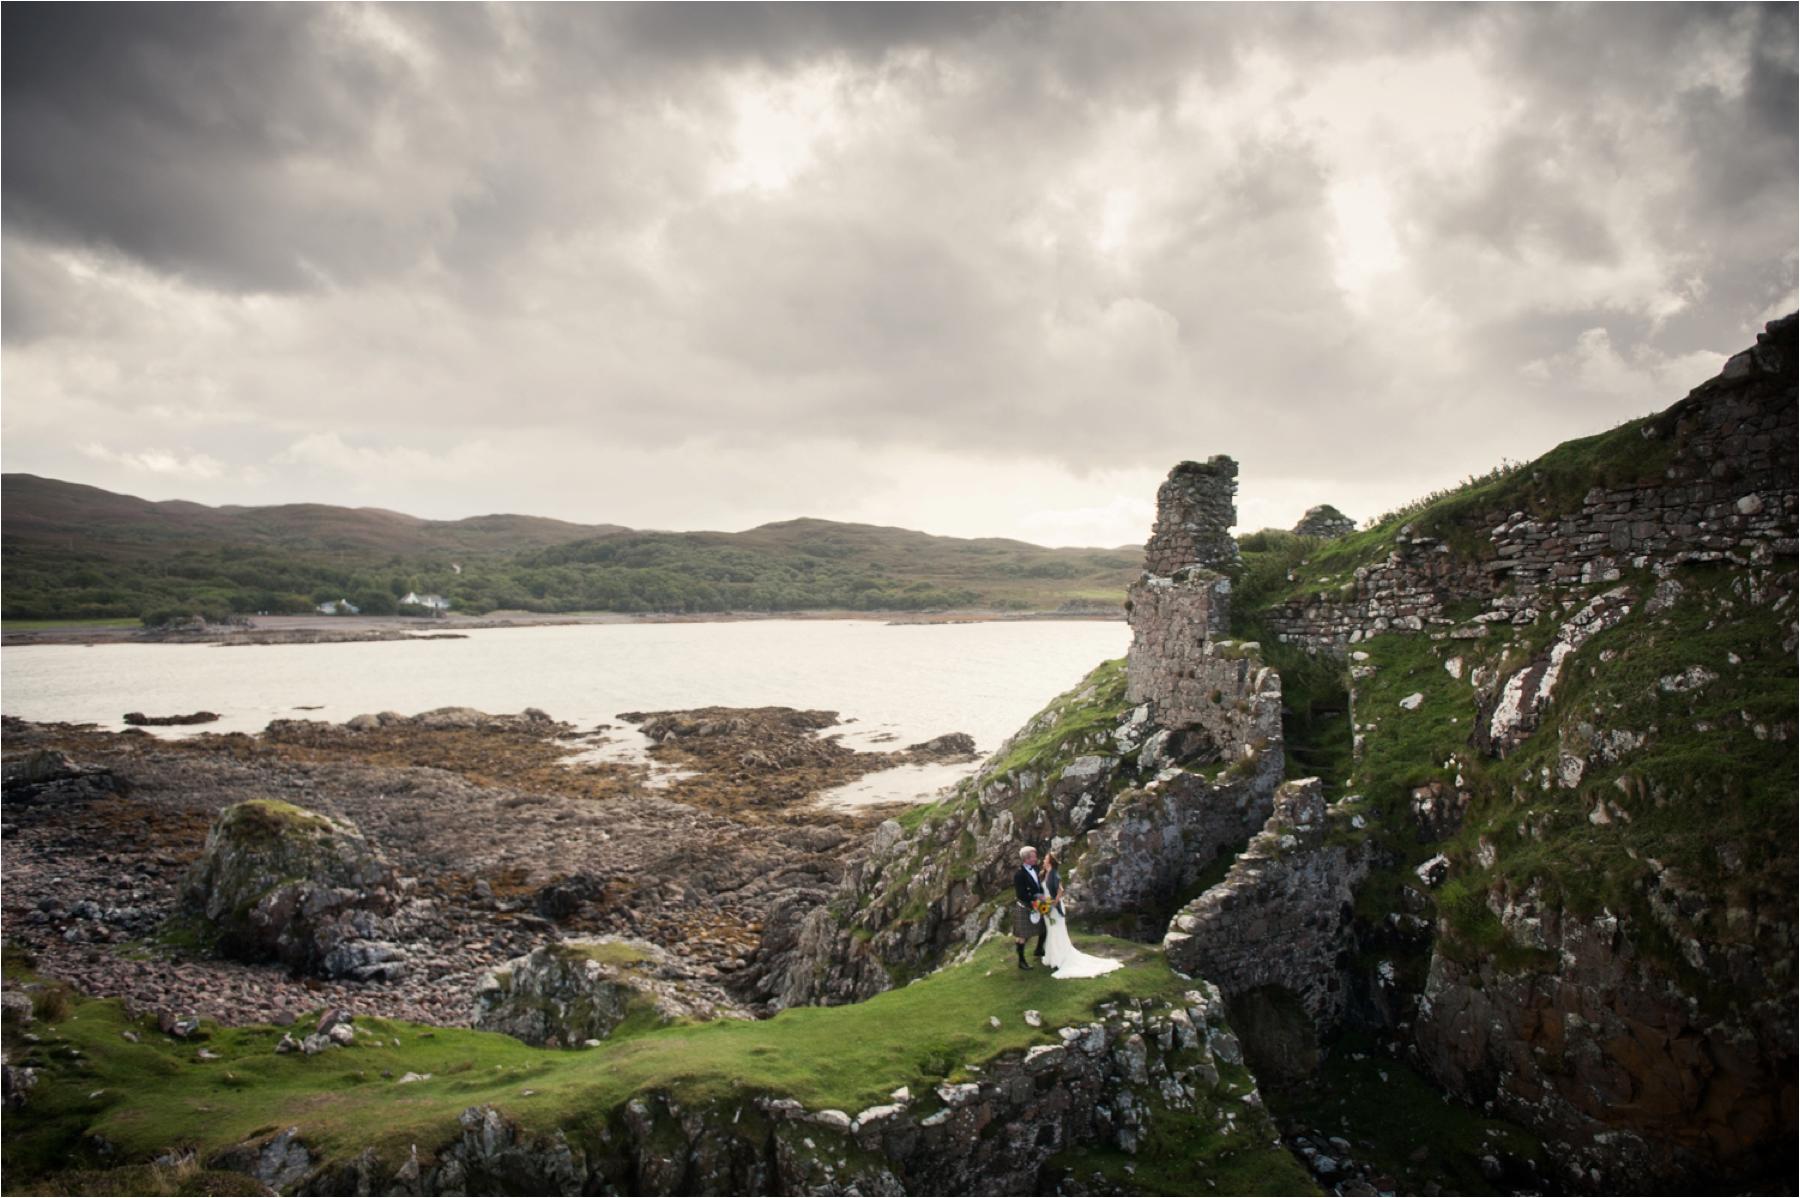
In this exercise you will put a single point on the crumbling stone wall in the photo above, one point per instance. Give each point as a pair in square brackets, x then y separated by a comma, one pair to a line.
[1190, 680]
[1326, 522]
[1195, 509]
[1181, 602]
[1281, 917]
[1727, 494]
[1157, 839]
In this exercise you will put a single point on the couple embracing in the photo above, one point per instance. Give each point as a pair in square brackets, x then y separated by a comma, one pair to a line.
[1038, 912]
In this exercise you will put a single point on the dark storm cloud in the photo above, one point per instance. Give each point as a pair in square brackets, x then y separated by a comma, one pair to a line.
[1331, 239]
[174, 135]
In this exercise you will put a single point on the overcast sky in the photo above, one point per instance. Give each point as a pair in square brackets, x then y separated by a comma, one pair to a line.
[976, 270]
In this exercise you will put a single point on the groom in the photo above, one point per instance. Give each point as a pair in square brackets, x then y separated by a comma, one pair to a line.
[1028, 887]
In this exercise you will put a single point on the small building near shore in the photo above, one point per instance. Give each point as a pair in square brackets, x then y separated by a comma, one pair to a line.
[434, 602]
[332, 607]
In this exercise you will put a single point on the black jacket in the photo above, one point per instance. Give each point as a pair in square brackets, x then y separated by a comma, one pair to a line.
[1026, 888]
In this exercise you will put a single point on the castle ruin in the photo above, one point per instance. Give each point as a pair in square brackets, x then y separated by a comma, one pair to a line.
[1183, 599]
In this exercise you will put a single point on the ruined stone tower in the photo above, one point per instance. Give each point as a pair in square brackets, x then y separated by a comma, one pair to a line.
[1195, 509]
[1183, 600]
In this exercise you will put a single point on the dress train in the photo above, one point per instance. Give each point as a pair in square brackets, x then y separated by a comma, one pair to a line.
[1061, 955]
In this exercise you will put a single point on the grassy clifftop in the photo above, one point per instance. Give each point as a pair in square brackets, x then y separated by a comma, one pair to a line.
[144, 1097]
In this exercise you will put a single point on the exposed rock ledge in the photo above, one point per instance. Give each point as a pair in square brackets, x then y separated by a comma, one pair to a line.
[1101, 1087]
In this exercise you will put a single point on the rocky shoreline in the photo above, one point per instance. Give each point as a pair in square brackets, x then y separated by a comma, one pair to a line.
[506, 845]
[335, 630]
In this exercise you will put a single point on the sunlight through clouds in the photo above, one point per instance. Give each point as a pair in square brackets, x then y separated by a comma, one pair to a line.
[452, 255]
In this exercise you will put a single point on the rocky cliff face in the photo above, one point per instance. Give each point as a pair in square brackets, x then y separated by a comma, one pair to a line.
[1562, 878]
[1137, 809]
[1636, 1078]
[1573, 698]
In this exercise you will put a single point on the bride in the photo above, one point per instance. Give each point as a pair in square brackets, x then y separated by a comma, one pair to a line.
[1060, 954]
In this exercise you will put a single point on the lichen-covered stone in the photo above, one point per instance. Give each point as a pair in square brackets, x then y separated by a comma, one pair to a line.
[280, 882]
[567, 993]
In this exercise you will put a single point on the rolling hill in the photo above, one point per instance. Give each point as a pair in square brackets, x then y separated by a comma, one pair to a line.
[74, 551]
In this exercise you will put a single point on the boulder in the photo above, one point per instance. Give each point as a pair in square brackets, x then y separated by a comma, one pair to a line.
[572, 991]
[279, 882]
[453, 717]
[52, 774]
[564, 897]
[950, 746]
[139, 719]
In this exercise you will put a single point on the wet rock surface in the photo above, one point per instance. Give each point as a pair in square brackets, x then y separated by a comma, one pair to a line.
[765, 762]
[507, 844]
[139, 719]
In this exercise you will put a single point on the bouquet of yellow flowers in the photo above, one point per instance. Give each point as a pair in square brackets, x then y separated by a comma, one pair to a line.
[1042, 906]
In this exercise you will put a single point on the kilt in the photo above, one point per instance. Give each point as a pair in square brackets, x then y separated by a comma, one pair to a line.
[1023, 928]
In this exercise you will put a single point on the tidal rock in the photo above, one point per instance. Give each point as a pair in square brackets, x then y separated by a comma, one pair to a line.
[564, 897]
[139, 719]
[45, 774]
[948, 746]
[453, 717]
[279, 882]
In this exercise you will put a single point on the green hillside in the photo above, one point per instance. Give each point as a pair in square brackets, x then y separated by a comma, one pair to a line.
[77, 552]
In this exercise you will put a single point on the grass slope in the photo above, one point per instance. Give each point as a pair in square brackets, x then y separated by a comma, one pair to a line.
[148, 1097]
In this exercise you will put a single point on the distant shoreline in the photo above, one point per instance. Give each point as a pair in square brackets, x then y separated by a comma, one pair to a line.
[322, 629]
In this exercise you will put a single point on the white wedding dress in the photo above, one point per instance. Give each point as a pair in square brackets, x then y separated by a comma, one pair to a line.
[1061, 955]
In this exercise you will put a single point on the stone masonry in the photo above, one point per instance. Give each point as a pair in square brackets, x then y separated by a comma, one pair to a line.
[1172, 623]
[1195, 509]
[1324, 522]
[1182, 600]
[1727, 494]
[1281, 917]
